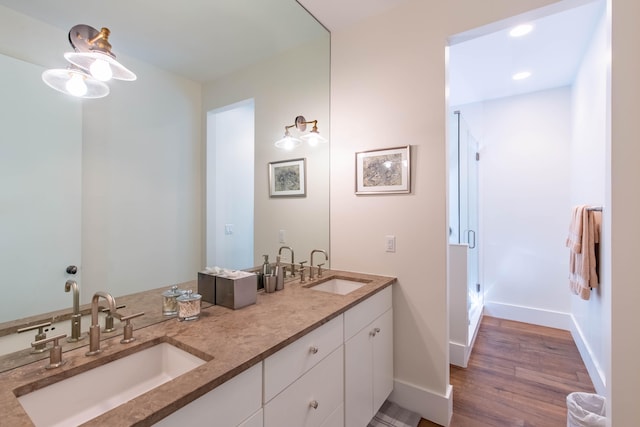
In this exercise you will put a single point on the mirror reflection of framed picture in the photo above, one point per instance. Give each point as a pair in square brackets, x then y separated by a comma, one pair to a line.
[288, 178]
[384, 171]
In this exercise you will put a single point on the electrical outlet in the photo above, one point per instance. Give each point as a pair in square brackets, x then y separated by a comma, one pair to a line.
[390, 243]
[228, 229]
[282, 236]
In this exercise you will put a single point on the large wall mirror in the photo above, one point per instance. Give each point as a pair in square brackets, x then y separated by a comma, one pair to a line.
[117, 186]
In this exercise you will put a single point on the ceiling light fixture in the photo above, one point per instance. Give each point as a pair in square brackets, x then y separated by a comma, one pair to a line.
[92, 64]
[521, 30]
[313, 138]
[521, 75]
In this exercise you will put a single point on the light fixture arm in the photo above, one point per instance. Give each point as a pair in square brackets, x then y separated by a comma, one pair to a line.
[103, 37]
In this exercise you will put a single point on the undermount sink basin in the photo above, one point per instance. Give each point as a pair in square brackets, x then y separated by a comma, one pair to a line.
[86, 395]
[338, 286]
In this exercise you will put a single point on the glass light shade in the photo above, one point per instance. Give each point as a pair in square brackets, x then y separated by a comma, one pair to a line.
[314, 138]
[288, 142]
[101, 70]
[75, 83]
[86, 61]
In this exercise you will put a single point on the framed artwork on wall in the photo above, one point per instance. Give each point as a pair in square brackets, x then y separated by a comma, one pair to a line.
[384, 171]
[288, 178]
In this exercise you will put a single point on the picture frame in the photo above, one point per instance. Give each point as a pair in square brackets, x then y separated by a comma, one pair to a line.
[288, 178]
[384, 171]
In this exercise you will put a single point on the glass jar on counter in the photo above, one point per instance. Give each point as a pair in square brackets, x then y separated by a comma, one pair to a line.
[170, 301]
[189, 306]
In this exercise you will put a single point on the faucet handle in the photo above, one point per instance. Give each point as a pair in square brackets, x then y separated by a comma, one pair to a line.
[320, 270]
[55, 354]
[302, 279]
[128, 327]
[41, 335]
[108, 321]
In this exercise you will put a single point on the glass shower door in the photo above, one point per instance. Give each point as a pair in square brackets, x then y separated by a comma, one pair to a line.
[468, 208]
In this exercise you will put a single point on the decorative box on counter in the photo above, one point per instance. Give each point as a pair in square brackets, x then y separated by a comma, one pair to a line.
[207, 286]
[236, 289]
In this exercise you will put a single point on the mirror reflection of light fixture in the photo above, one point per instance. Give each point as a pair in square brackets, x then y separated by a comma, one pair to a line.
[313, 138]
[92, 63]
[75, 82]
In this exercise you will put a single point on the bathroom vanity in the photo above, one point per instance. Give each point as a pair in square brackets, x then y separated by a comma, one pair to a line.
[298, 357]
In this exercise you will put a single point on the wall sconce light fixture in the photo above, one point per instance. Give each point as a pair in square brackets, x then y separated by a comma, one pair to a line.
[313, 137]
[92, 64]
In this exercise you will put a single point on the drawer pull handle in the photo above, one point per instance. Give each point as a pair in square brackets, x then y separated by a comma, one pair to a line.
[314, 404]
[313, 349]
[374, 332]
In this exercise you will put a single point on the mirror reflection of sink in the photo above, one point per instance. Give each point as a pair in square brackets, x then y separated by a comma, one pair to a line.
[86, 395]
[338, 285]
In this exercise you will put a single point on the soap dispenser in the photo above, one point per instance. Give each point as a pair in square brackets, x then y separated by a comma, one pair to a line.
[266, 267]
[279, 273]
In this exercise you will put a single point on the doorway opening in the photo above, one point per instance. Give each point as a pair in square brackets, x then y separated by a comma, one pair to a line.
[230, 185]
[535, 136]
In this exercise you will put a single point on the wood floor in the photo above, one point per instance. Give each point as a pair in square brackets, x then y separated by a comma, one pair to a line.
[518, 375]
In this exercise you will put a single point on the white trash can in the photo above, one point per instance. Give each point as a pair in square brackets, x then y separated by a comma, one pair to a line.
[586, 410]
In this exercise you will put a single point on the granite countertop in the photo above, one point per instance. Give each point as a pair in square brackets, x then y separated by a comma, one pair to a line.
[230, 340]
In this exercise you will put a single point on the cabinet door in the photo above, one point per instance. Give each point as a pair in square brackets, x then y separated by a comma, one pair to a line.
[382, 359]
[226, 405]
[358, 368]
[254, 421]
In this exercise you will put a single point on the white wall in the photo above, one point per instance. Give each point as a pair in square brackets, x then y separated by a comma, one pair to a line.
[294, 83]
[525, 185]
[40, 191]
[588, 180]
[387, 89]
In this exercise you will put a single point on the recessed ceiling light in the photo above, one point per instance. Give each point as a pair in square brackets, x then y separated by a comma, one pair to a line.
[521, 30]
[521, 75]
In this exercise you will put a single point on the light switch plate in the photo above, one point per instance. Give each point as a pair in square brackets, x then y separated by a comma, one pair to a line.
[282, 236]
[390, 245]
[228, 229]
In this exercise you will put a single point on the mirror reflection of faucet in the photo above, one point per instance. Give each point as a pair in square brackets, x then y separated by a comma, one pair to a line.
[108, 320]
[76, 317]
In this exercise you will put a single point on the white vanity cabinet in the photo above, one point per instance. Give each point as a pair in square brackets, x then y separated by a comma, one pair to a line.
[238, 402]
[303, 382]
[368, 357]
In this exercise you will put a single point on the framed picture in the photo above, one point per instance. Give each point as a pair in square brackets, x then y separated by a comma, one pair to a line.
[288, 178]
[385, 171]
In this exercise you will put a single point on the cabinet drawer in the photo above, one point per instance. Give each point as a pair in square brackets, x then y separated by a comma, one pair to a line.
[290, 363]
[323, 384]
[364, 313]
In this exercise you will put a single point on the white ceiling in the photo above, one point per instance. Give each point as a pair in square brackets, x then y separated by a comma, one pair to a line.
[481, 68]
[198, 39]
[205, 39]
[482, 61]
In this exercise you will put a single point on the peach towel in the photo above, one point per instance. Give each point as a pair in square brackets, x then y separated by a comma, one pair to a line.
[584, 234]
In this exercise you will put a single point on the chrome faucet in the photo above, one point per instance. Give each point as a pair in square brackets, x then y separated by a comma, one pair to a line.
[94, 329]
[76, 317]
[326, 258]
[293, 265]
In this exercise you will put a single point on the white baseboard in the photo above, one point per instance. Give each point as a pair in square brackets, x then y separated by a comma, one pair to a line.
[552, 319]
[595, 373]
[432, 406]
[458, 354]
[535, 316]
